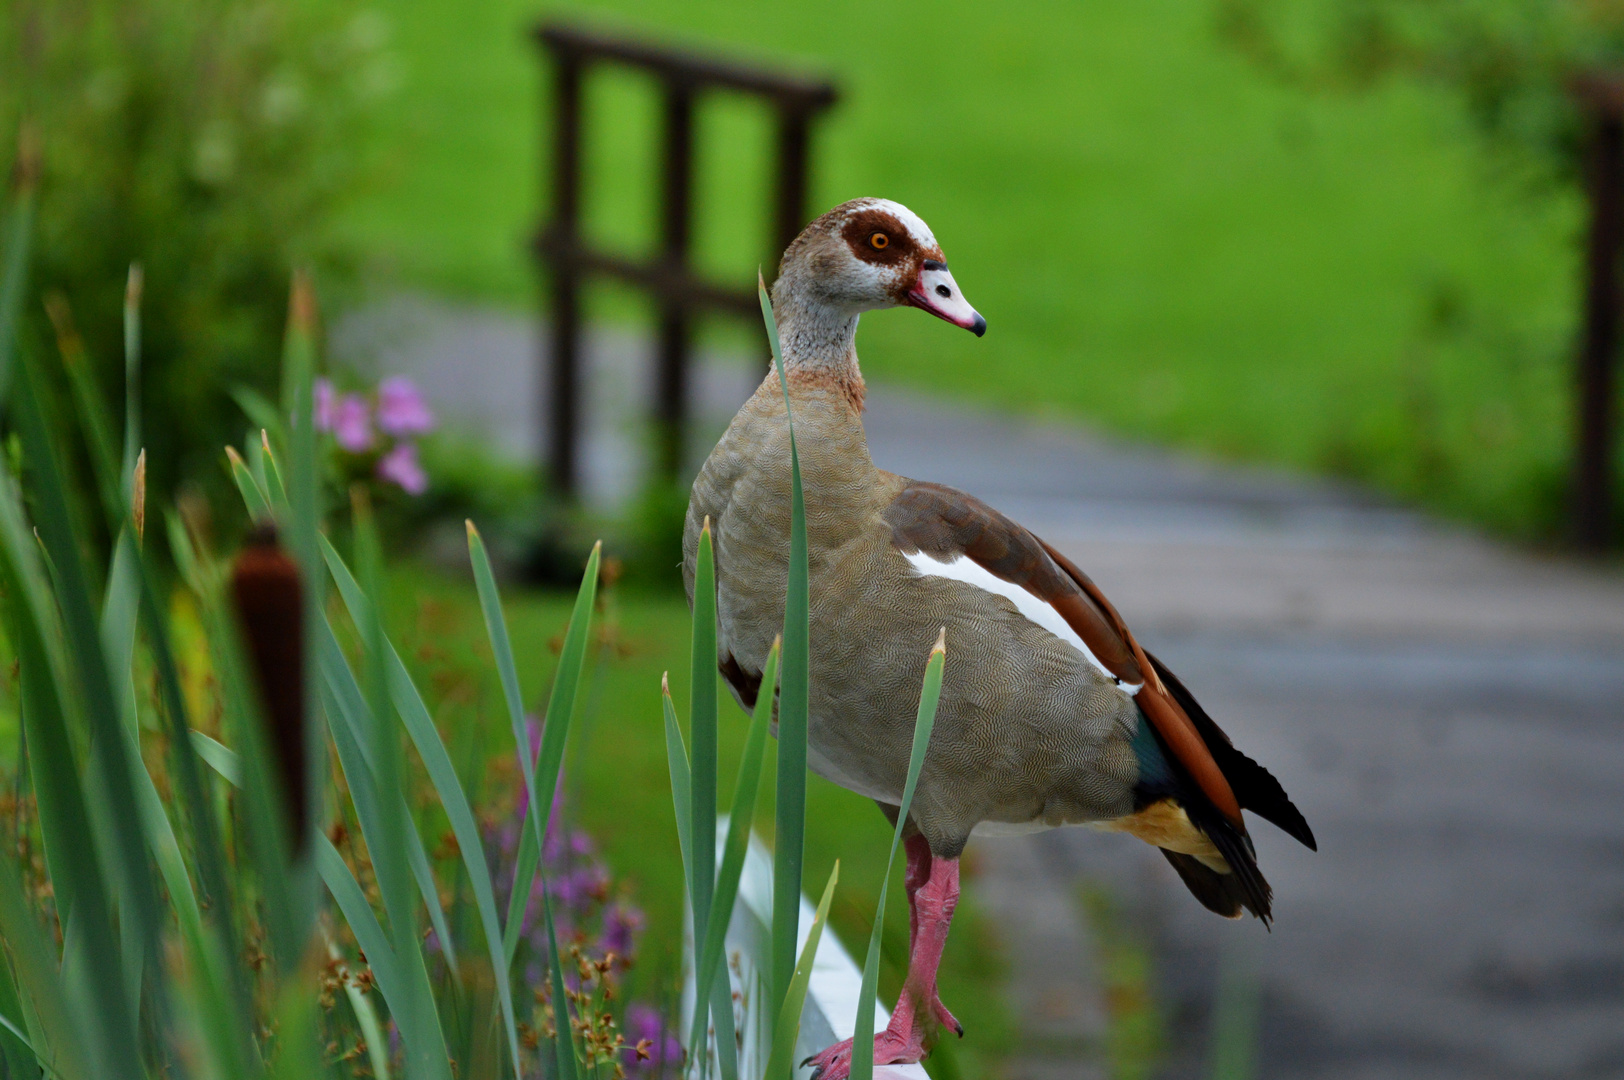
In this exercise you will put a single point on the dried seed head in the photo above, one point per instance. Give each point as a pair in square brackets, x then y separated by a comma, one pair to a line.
[302, 305]
[138, 496]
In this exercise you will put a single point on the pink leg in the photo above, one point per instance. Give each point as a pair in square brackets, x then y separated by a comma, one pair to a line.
[918, 873]
[933, 893]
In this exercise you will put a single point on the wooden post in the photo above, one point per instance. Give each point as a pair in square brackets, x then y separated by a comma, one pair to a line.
[790, 213]
[1598, 356]
[678, 290]
[671, 405]
[566, 359]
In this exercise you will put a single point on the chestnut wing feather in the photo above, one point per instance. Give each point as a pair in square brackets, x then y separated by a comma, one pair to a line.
[947, 524]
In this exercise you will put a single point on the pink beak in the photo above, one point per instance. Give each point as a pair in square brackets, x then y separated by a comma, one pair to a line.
[937, 293]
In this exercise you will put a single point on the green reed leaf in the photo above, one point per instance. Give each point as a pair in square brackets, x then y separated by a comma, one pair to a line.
[789, 848]
[564, 1043]
[862, 1064]
[253, 496]
[346, 711]
[708, 966]
[419, 1019]
[781, 1064]
[543, 776]
[702, 727]
[92, 686]
[676, 756]
[443, 775]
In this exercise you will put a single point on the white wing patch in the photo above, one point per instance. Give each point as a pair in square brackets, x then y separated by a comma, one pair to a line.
[1035, 610]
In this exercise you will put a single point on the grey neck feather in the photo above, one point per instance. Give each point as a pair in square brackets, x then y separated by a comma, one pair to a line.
[816, 337]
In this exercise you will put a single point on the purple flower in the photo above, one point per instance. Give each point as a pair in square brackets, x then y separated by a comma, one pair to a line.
[621, 925]
[400, 466]
[401, 408]
[323, 391]
[352, 423]
[645, 1023]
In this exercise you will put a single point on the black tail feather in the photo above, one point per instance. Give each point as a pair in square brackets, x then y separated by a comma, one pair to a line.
[1217, 892]
[1255, 788]
[1246, 879]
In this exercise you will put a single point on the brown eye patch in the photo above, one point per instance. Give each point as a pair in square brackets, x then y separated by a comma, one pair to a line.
[876, 237]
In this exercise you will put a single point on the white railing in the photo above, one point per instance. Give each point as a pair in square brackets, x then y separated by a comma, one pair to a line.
[831, 1000]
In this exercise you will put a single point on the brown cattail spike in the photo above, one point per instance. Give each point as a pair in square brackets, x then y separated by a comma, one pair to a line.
[270, 608]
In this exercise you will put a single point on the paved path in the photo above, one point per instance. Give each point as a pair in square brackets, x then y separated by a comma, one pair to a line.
[1449, 715]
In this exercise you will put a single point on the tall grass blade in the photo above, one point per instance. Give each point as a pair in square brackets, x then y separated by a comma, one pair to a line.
[790, 842]
[208, 852]
[363, 922]
[275, 491]
[542, 777]
[65, 1034]
[781, 1064]
[18, 239]
[219, 757]
[419, 1021]
[304, 525]
[82, 637]
[443, 775]
[862, 1058]
[253, 496]
[121, 611]
[346, 711]
[564, 1043]
[92, 413]
[17, 1056]
[366, 1018]
[676, 756]
[708, 963]
[702, 729]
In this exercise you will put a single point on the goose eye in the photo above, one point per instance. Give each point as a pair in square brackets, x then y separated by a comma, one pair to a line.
[879, 241]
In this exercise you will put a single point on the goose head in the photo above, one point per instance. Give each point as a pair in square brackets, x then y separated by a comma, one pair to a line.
[865, 255]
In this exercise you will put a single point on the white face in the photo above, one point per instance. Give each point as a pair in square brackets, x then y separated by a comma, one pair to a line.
[888, 258]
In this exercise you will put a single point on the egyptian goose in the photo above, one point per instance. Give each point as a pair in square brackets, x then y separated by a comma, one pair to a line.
[1051, 712]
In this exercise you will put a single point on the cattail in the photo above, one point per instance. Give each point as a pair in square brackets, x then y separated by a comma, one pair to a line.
[270, 605]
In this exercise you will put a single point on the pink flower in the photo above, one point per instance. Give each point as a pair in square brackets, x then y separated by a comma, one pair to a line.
[352, 423]
[401, 408]
[323, 391]
[400, 466]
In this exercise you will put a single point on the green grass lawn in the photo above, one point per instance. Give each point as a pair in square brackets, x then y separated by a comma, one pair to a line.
[619, 791]
[1163, 241]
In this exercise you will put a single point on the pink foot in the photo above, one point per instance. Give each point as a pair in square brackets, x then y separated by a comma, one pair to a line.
[933, 893]
[890, 1048]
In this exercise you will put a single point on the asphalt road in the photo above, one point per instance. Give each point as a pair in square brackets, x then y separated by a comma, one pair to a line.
[1447, 713]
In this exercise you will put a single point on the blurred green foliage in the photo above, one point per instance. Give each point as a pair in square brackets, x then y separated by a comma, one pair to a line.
[211, 141]
[1166, 239]
[1517, 62]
